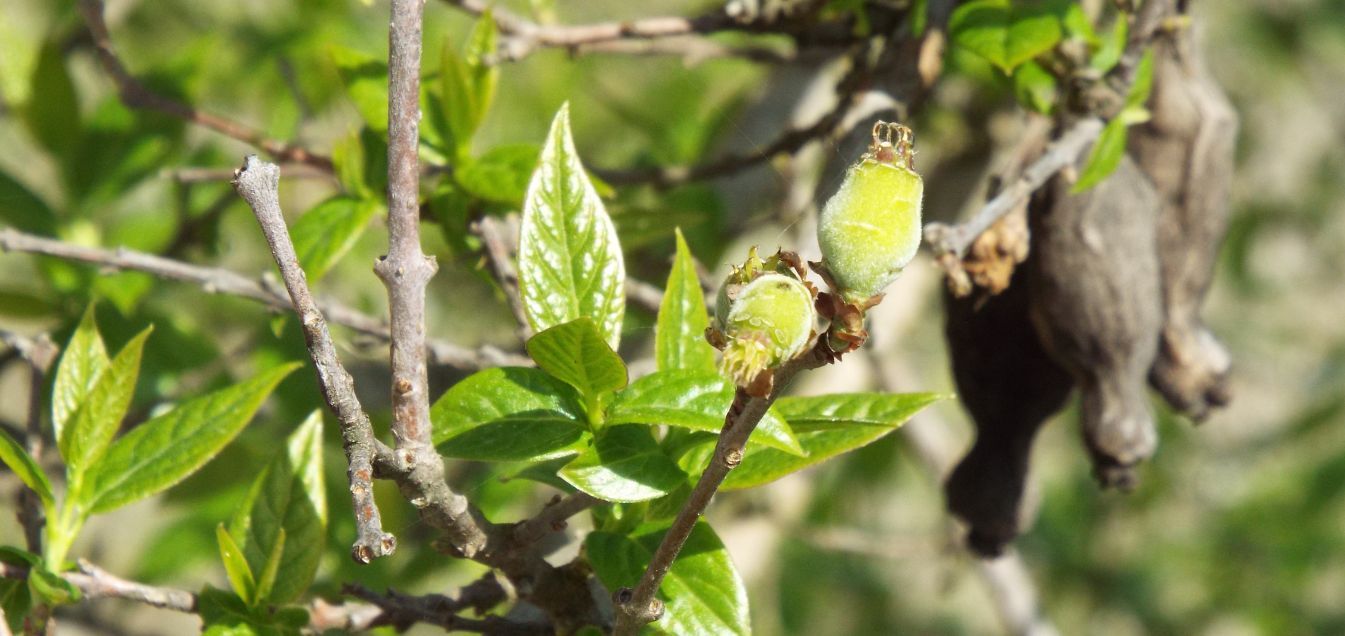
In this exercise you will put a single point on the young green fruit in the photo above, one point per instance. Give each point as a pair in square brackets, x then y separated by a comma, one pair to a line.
[764, 316]
[870, 229]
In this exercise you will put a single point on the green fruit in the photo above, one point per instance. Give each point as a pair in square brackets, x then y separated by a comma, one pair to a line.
[870, 229]
[762, 323]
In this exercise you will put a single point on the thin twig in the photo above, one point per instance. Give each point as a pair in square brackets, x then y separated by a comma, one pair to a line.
[695, 50]
[40, 353]
[217, 280]
[637, 607]
[950, 243]
[137, 95]
[496, 238]
[553, 517]
[258, 183]
[401, 610]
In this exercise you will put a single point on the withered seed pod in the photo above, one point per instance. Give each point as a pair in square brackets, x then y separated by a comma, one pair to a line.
[1096, 304]
[1186, 149]
[1010, 387]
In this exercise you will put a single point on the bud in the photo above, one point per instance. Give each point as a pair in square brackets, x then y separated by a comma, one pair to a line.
[870, 229]
[764, 317]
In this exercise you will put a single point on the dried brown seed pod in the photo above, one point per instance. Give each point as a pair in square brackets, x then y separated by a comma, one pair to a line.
[1096, 304]
[1010, 387]
[1186, 149]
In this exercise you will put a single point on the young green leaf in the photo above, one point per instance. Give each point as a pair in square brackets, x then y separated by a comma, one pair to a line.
[1104, 157]
[50, 587]
[13, 455]
[696, 400]
[15, 601]
[481, 75]
[288, 499]
[624, 464]
[98, 419]
[569, 260]
[83, 360]
[679, 341]
[576, 354]
[1109, 52]
[168, 448]
[1003, 32]
[366, 81]
[235, 566]
[702, 593]
[266, 582]
[827, 426]
[508, 414]
[325, 233]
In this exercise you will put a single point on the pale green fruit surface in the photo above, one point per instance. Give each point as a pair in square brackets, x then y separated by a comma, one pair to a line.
[870, 229]
[768, 323]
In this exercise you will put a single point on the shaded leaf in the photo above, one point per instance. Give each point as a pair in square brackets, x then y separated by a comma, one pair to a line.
[826, 426]
[266, 582]
[702, 592]
[23, 210]
[164, 450]
[625, 464]
[508, 414]
[693, 400]
[288, 499]
[325, 233]
[570, 263]
[366, 80]
[13, 455]
[500, 175]
[682, 318]
[52, 111]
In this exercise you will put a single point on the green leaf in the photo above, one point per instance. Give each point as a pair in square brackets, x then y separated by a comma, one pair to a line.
[1104, 157]
[697, 400]
[508, 414]
[267, 582]
[1034, 87]
[702, 593]
[569, 260]
[624, 464]
[366, 81]
[235, 565]
[23, 210]
[482, 77]
[50, 587]
[225, 614]
[827, 426]
[499, 176]
[288, 499]
[1109, 53]
[575, 353]
[13, 455]
[164, 450]
[99, 417]
[682, 319]
[83, 360]
[1005, 33]
[361, 161]
[15, 600]
[1143, 85]
[52, 110]
[454, 110]
[325, 233]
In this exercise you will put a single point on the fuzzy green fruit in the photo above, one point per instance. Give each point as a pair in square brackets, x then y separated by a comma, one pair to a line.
[870, 229]
[763, 324]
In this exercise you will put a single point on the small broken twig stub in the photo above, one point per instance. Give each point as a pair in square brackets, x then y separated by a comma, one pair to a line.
[258, 183]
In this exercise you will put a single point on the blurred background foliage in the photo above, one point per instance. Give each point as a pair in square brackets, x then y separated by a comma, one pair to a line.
[1236, 527]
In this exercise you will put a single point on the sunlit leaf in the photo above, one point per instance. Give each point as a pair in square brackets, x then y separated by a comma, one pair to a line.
[570, 263]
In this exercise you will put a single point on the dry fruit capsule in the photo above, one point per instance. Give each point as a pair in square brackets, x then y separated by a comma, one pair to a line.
[870, 229]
